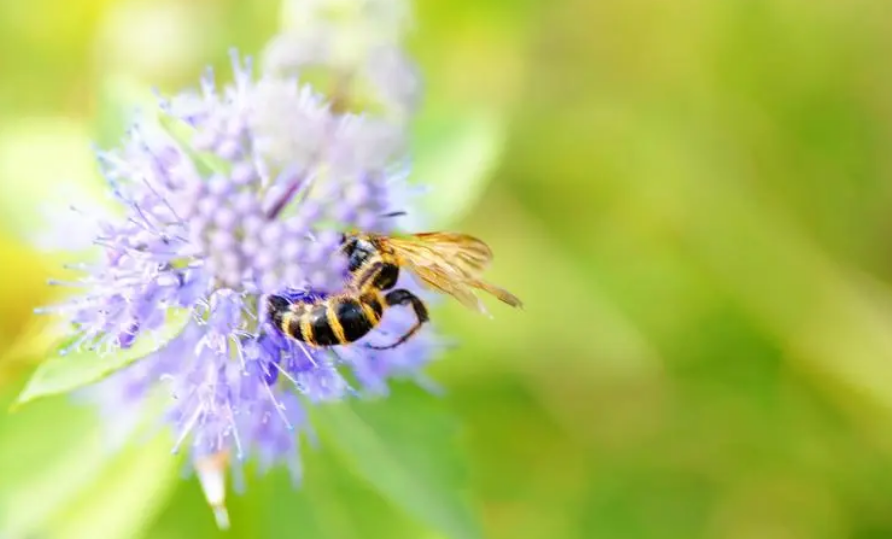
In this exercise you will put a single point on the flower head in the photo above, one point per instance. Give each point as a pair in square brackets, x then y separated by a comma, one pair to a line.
[244, 192]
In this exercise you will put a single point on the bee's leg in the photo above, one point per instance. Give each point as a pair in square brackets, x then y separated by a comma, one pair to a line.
[404, 297]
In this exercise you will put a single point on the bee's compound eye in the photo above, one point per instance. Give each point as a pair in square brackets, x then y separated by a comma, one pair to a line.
[349, 244]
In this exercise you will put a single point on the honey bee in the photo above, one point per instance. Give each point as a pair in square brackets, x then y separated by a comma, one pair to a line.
[447, 262]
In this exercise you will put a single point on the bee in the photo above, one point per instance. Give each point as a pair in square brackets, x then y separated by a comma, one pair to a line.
[447, 262]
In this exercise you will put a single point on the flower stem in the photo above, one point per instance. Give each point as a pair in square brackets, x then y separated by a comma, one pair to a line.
[286, 197]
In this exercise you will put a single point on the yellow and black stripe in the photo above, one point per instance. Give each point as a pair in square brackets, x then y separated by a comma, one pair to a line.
[333, 321]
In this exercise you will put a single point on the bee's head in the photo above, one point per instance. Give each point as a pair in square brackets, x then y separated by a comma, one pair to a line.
[276, 307]
[357, 247]
[349, 242]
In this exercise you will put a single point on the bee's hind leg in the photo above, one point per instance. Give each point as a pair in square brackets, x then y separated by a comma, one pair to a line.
[404, 297]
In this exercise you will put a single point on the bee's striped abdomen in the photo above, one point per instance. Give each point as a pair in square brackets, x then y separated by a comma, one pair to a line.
[316, 328]
[353, 319]
[337, 321]
[292, 322]
[372, 304]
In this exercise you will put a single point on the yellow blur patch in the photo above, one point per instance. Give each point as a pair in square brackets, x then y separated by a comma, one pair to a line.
[23, 335]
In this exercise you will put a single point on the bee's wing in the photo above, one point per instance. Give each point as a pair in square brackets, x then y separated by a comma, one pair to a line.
[499, 292]
[468, 253]
[450, 263]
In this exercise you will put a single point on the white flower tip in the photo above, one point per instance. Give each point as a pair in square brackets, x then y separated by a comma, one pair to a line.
[212, 476]
[481, 308]
[221, 515]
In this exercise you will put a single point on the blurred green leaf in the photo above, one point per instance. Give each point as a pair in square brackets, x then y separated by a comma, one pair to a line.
[123, 503]
[406, 447]
[61, 374]
[50, 453]
[329, 503]
[454, 153]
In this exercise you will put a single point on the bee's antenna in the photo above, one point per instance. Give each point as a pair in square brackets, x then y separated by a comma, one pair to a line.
[394, 214]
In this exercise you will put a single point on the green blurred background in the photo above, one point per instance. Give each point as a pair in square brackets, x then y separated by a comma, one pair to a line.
[694, 198]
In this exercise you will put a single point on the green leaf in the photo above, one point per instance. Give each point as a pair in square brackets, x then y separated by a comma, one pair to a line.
[207, 163]
[61, 374]
[51, 452]
[55, 460]
[455, 152]
[405, 446]
[123, 501]
[52, 456]
[330, 503]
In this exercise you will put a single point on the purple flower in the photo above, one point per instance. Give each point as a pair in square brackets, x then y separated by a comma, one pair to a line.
[244, 193]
